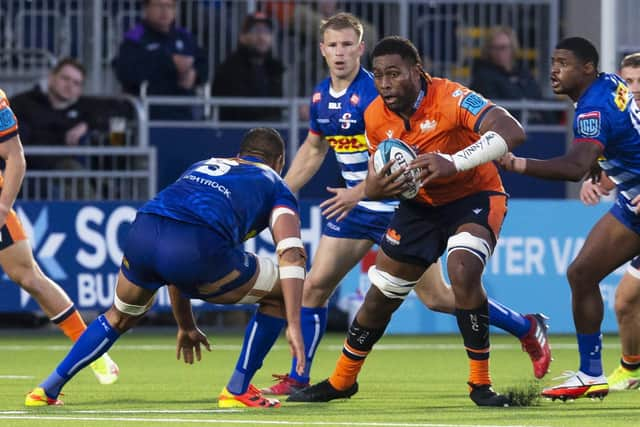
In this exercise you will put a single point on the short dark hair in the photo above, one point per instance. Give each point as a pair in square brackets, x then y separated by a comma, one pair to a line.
[73, 62]
[263, 142]
[396, 45]
[582, 48]
[632, 60]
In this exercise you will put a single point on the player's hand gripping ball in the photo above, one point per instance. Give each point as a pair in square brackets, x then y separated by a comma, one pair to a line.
[403, 154]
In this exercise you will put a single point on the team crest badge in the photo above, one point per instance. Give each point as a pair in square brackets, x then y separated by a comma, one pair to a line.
[316, 97]
[355, 99]
[589, 124]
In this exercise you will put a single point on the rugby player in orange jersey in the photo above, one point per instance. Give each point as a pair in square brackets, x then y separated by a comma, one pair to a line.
[16, 257]
[460, 209]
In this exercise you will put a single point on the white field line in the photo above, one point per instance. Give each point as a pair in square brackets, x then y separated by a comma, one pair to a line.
[16, 377]
[232, 421]
[379, 347]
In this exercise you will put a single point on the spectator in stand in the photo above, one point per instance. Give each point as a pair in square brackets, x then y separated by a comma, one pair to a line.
[498, 75]
[251, 71]
[166, 57]
[54, 112]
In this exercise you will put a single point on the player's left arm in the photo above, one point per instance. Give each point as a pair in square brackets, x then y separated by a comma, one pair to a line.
[499, 133]
[190, 337]
[285, 229]
[15, 165]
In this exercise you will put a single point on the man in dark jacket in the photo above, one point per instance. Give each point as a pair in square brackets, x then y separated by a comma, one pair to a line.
[55, 114]
[251, 71]
[498, 75]
[166, 57]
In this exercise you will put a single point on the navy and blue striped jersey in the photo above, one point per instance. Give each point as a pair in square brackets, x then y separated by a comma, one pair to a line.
[607, 114]
[339, 118]
[233, 196]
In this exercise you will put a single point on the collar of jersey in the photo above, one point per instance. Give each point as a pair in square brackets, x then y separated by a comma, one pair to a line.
[256, 161]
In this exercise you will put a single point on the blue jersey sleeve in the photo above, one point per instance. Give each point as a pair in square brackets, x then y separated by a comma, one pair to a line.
[285, 198]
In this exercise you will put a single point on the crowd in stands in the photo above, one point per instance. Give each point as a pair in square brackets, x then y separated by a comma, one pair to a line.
[167, 60]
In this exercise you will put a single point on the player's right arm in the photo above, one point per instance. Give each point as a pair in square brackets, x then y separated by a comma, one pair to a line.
[13, 155]
[308, 160]
[591, 191]
[285, 229]
[189, 336]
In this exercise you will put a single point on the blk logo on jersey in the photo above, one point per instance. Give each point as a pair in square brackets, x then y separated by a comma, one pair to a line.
[335, 106]
[589, 124]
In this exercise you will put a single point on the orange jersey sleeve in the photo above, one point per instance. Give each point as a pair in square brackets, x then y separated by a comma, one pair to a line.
[446, 121]
[8, 121]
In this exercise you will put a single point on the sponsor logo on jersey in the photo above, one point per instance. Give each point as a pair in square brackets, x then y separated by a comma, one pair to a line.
[473, 103]
[347, 144]
[622, 96]
[355, 99]
[389, 134]
[428, 125]
[393, 237]
[335, 106]
[322, 120]
[346, 121]
[317, 97]
[456, 93]
[7, 119]
[589, 124]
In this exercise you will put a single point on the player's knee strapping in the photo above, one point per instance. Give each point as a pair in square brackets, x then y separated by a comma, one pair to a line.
[391, 286]
[267, 277]
[131, 309]
[468, 242]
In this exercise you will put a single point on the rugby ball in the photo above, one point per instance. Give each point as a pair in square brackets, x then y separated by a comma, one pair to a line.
[403, 154]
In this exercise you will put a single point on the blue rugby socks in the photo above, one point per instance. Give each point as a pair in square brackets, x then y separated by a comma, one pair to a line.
[590, 348]
[260, 335]
[93, 343]
[511, 321]
[314, 325]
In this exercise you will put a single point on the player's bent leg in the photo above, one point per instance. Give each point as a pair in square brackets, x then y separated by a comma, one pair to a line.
[335, 257]
[530, 329]
[18, 263]
[383, 298]
[130, 303]
[609, 244]
[467, 253]
[260, 335]
[17, 260]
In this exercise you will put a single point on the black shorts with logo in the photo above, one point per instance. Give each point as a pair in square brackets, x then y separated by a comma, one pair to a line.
[418, 233]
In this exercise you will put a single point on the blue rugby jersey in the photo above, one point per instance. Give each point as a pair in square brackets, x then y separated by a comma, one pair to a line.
[233, 196]
[339, 118]
[606, 114]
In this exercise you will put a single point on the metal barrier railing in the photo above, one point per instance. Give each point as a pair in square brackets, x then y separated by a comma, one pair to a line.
[291, 120]
[99, 173]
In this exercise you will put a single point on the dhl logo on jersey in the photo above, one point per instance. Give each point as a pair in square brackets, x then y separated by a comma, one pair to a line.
[347, 144]
[622, 96]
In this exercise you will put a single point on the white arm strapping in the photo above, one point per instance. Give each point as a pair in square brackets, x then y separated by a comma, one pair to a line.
[279, 211]
[292, 272]
[490, 146]
[289, 242]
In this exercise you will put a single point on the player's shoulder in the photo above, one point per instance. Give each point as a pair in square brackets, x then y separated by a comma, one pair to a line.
[321, 90]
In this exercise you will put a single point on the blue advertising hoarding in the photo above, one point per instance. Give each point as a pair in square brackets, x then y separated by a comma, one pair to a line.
[79, 246]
